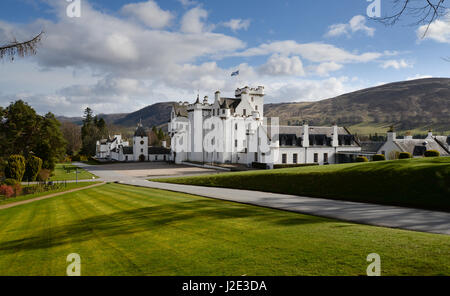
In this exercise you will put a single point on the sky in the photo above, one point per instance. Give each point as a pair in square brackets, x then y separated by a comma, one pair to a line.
[119, 56]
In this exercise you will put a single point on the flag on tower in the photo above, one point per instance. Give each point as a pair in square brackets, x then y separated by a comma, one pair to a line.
[235, 73]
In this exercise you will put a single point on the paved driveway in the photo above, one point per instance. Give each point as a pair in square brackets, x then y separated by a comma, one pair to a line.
[379, 215]
[142, 170]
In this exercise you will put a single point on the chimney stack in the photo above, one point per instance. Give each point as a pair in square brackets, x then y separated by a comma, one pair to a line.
[335, 141]
[305, 142]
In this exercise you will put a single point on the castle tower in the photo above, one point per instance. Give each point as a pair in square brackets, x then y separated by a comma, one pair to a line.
[140, 143]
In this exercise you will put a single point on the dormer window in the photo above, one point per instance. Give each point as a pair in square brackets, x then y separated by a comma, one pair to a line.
[245, 112]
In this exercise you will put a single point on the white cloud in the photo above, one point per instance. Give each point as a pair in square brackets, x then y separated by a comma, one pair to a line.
[149, 13]
[356, 24]
[120, 65]
[282, 65]
[324, 69]
[186, 3]
[439, 30]
[237, 24]
[193, 21]
[396, 64]
[314, 52]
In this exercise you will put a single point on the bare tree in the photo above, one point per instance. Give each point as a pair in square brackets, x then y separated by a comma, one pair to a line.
[424, 11]
[21, 49]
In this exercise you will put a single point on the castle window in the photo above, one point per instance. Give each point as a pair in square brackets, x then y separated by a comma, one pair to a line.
[235, 143]
[253, 99]
[295, 158]
[142, 150]
[316, 157]
[325, 157]
[235, 126]
[284, 158]
[256, 107]
[245, 112]
[142, 142]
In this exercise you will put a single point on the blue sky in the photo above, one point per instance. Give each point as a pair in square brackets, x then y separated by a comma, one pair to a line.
[122, 55]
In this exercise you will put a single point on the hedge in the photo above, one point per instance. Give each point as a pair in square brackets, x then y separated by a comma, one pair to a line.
[378, 157]
[361, 159]
[404, 155]
[432, 153]
[285, 166]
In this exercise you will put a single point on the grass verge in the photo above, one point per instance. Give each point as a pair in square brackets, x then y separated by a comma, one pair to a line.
[69, 186]
[421, 183]
[125, 230]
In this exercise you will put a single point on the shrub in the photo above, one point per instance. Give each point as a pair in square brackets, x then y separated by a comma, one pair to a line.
[33, 166]
[10, 182]
[15, 169]
[76, 157]
[404, 155]
[378, 157]
[361, 159]
[17, 189]
[258, 165]
[6, 190]
[43, 175]
[432, 153]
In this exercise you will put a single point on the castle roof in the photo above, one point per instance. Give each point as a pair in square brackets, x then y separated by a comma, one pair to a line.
[140, 131]
[180, 110]
[229, 103]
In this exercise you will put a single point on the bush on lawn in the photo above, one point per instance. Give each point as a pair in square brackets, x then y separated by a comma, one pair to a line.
[378, 157]
[43, 175]
[10, 182]
[361, 159]
[404, 155]
[17, 189]
[15, 169]
[6, 190]
[33, 166]
[432, 153]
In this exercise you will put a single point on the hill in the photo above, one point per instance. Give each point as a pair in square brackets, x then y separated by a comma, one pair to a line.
[416, 105]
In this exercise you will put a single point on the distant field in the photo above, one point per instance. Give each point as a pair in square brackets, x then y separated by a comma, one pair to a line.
[422, 183]
[60, 173]
[125, 230]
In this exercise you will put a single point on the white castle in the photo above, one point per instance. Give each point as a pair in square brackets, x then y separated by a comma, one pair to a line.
[245, 137]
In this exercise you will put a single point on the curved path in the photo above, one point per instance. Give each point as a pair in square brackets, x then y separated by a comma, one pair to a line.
[371, 214]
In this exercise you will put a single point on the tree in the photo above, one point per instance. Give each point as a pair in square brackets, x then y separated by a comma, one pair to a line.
[19, 127]
[15, 169]
[51, 146]
[21, 49]
[72, 134]
[93, 129]
[424, 11]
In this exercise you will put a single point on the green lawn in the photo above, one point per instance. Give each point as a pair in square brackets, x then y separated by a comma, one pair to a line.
[68, 186]
[60, 173]
[422, 183]
[125, 230]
